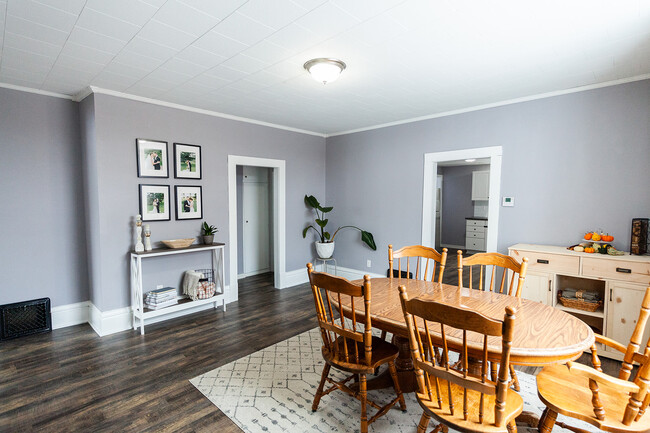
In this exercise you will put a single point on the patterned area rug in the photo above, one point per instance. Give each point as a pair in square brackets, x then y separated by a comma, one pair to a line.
[272, 391]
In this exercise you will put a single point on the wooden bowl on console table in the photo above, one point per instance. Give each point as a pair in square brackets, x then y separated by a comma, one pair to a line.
[178, 243]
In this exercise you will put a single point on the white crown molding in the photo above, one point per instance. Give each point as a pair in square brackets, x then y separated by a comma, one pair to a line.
[87, 91]
[99, 90]
[498, 104]
[36, 91]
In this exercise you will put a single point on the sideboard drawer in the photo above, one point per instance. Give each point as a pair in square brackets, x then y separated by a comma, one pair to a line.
[542, 262]
[633, 272]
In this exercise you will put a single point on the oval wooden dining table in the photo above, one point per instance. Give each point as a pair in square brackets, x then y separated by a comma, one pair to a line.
[543, 334]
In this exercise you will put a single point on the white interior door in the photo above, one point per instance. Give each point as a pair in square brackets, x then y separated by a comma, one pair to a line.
[255, 200]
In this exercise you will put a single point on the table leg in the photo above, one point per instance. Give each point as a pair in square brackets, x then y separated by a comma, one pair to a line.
[404, 366]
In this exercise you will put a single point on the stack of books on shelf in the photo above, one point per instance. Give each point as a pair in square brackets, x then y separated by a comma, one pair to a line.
[160, 298]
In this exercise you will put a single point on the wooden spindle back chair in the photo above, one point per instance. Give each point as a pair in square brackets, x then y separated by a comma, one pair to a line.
[420, 260]
[498, 266]
[507, 276]
[455, 398]
[350, 346]
[611, 404]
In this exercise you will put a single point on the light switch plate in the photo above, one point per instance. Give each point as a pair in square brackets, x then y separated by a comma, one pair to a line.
[508, 201]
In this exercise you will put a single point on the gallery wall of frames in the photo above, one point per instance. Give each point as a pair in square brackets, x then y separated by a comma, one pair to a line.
[155, 200]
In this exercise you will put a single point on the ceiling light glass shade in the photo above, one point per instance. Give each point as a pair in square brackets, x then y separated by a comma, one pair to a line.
[470, 160]
[325, 70]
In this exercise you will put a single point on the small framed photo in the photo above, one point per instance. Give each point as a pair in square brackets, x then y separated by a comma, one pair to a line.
[152, 158]
[187, 161]
[154, 202]
[189, 202]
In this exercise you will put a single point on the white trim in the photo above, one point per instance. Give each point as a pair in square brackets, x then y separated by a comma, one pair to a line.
[109, 322]
[429, 190]
[499, 104]
[37, 91]
[83, 94]
[195, 110]
[70, 314]
[253, 273]
[293, 278]
[355, 274]
[279, 217]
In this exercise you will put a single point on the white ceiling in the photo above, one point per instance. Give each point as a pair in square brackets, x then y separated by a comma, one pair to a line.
[405, 58]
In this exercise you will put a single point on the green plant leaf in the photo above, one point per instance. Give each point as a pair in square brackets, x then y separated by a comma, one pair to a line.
[311, 201]
[326, 235]
[327, 209]
[304, 232]
[368, 239]
[321, 223]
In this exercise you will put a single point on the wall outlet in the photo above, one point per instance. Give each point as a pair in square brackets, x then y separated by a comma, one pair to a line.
[368, 263]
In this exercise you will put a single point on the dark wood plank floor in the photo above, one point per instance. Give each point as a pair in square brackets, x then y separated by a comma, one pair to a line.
[73, 381]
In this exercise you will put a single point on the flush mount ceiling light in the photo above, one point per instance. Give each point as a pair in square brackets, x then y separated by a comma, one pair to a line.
[324, 70]
[470, 160]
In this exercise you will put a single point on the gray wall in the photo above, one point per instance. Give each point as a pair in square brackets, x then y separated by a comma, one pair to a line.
[43, 248]
[573, 162]
[457, 201]
[118, 122]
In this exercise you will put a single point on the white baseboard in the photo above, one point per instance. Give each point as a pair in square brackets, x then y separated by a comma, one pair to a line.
[293, 278]
[110, 322]
[70, 315]
[355, 274]
[250, 274]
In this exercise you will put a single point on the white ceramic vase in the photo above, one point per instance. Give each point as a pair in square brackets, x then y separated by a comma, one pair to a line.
[324, 249]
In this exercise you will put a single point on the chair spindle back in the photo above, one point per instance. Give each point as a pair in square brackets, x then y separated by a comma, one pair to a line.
[498, 266]
[421, 316]
[420, 260]
[339, 339]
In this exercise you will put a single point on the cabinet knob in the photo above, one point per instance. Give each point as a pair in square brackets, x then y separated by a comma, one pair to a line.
[542, 261]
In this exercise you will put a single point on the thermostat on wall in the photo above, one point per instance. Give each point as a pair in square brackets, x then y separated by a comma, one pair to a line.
[508, 201]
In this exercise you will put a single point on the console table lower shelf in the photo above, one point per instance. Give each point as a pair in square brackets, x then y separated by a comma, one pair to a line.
[142, 314]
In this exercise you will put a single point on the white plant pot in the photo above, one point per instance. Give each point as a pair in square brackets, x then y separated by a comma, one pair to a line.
[324, 249]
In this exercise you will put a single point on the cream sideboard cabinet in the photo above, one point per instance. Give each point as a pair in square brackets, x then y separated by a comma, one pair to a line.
[621, 281]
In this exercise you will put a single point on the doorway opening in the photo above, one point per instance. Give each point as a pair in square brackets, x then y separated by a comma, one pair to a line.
[482, 183]
[267, 202]
[462, 205]
[255, 220]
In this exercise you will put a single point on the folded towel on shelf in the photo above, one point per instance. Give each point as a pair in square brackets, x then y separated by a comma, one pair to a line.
[583, 295]
[191, 283]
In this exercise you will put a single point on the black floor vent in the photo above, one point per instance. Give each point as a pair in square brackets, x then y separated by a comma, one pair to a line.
[25, 318]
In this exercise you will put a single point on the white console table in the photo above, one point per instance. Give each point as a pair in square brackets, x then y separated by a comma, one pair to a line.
[137, 295]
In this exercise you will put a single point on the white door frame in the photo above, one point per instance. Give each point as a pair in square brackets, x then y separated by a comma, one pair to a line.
[431, 161]
[279, 217]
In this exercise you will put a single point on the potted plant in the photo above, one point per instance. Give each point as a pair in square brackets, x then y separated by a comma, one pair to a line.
[325, 247]
[208, 233]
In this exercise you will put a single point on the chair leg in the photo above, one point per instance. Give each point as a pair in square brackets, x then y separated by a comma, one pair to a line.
[383, 335]
[547, 421]
[512, 426]
[424, 422]
[363, 396]
[515, 380]
[319, 391]
[398, 391]
[493, 371]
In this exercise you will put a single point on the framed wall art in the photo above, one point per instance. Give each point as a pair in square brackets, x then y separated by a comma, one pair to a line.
[152, 158]
[189, 202]
[155, 203]
[187, 161]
